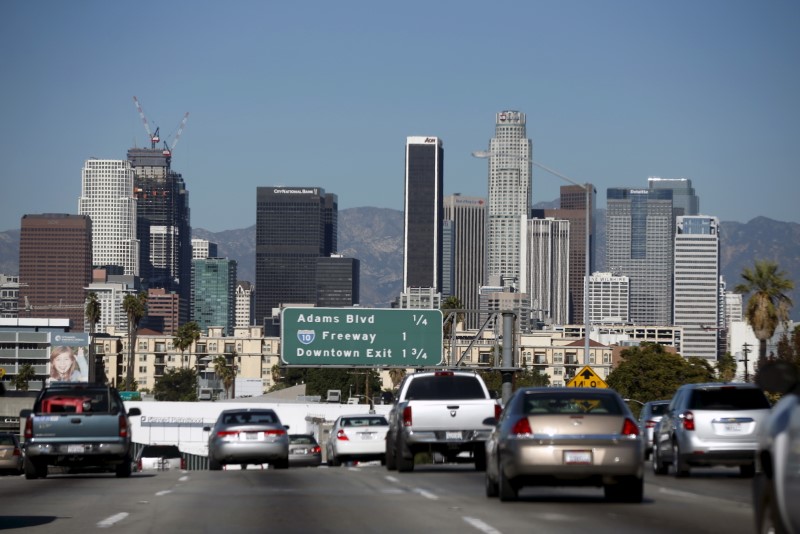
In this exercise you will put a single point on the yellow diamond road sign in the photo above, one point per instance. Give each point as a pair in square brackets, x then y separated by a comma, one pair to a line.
[586, 378]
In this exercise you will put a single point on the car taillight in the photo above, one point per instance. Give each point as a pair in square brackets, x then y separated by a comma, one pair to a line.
[341, 436]
[498, 410]
[629, 428]
[280, 432]
[139, 465]
[688, 421]
[17, 452]
[29, 428]
[522, 427]
[123, 426]
[650, 423]
[443, 373]
[227, 433]
[316, 450]
[183, 462]
[407, 416]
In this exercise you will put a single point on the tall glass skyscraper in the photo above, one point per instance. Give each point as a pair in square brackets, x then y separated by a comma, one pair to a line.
[697, 293]
[509, 197]
[422, 257]
[294, 227]
[684, 199]
[214, 294]
[639, 231]
[107, 199]
[468, 225]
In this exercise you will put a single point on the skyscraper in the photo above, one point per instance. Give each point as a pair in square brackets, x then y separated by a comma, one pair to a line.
[684, 199]
[294, 227]
[55, 266]
[163, 224]
[338, 282]
[639, 232]
[509, 197]
[697, 295]
[545, 269]
[468, 216]
[214, 294]
[244, 303]
[422, 257]
[107, 199]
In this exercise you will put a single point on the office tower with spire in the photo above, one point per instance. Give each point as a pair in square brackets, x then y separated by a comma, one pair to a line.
[294, 227]
[107, 199]
[639, 232]
[55, 266]
[509, 197]
[697, 279]
[468, 236]
[422, 253]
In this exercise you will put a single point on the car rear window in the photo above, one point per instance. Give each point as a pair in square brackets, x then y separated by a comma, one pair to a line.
[571, 403]
[659, 409]
[7, 440]
[302, 440]
[728, 398]
[245, 418]
[365, 421]
[76, 400]
[161, 451]
[445, 387]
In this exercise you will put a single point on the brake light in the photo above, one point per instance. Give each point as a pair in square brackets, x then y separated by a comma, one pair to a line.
[316, 450]
[183, 462]
[498, 410]
[650, 423]
[443, 373]
[407, 416]
[29, 428]
[139, 465]
[17, 452]
[227, 433]
[688, 421]
[123, 426]
[629, 428]
[279, 432]
[341, 436]
[521, 427]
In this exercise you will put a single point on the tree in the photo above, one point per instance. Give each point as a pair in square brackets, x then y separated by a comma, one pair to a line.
[726, 368]
[176, 385]
[527, 377]
[135, 307]
[648, 372]
[25, 375]
[768, 305]
[225, 373]
[93, 312]
[186, 335]
[451, 303]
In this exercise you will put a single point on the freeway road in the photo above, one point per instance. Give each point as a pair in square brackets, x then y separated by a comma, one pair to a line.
[362, 499]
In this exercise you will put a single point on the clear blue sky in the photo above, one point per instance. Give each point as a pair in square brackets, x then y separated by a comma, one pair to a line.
[325, 94]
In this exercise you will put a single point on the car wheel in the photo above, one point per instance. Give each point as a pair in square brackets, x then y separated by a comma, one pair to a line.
[492, 489]
[124, 469]
[768, 518]
[35, 469]
[333, 461]
[679, 466]
[480, 458]
[659, 468]
[390, 461]
[628, 489]
[214, 465]
[747, 471]
[281, 464]
[506, 488]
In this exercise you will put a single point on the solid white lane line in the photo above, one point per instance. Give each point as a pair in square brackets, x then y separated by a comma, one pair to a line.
[392, 479]
[480, 525]
[164, 492]
[109, 521]
[183, 479]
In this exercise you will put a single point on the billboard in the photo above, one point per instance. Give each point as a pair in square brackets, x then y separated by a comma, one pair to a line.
[68, 357]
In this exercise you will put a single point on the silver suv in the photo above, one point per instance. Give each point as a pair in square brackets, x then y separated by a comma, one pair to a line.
[710, 424]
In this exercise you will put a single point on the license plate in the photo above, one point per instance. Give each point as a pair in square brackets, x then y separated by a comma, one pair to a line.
[251, 435]
[301, 451]
[733, 427]
[74, 449]
[452, 435]
[368, 435]
[578, 457]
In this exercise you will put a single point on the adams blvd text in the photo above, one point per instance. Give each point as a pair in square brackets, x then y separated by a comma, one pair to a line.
[349, 318]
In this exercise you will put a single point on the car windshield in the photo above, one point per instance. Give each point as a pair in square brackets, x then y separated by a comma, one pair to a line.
[444, 387]
[365, 421]
[161, 451]
[728, 398]
[246, 418]
[302, 440]
[571, 403]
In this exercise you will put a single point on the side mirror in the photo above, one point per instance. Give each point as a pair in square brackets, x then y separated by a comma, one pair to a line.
[286, 427]
[134, 411]
[778, 377]
[24, 414]
[207, 428]
[490, 421]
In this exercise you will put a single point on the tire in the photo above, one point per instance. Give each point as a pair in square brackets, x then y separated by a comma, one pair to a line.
[214, 465]
[629, 489]
[390, 461]
[679, 465]
[747, 470]
[333, 461]
[34, 469]
[492, 489]
[659, 468]
[283, 463]
[768, 518]
[507, 489]
[480, 458]
[124, 469]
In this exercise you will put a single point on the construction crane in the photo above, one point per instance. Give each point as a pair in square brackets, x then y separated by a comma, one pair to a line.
[154, 138]
[167, 148]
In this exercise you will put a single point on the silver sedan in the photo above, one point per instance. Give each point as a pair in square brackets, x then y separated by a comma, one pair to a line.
[248, 436]
[565, 437]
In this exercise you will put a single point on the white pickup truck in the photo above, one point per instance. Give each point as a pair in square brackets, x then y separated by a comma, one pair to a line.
[440, 412]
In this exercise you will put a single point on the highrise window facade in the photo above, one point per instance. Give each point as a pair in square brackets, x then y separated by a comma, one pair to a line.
[609, 299]
[545, 269]
[214, 294]
[468, 224]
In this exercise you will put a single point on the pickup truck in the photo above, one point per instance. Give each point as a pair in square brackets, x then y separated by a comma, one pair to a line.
[77, 426]
[439, 412]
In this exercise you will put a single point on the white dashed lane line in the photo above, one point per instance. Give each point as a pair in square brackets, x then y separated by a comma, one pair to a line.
[480, 525]
[109, 521]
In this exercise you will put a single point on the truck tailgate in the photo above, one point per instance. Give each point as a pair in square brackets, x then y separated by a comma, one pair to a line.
[84, 428]
[450, 415]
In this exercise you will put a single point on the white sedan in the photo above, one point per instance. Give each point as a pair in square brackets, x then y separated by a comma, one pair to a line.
[357, 438]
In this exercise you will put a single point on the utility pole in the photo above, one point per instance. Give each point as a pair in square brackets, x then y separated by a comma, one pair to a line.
[746, 351]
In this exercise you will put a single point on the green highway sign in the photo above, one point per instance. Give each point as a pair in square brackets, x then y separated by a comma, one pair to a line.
[361, 337]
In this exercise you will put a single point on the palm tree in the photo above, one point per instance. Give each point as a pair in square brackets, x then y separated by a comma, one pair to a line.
[25, 375]
[451, 303]
[224, 372]
[92, 318]
[768, 305]
[135, 307]
[185, 337]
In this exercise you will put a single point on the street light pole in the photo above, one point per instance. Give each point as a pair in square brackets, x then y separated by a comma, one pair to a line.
[588, 190]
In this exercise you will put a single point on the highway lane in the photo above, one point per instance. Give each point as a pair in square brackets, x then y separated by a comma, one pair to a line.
[367, 498]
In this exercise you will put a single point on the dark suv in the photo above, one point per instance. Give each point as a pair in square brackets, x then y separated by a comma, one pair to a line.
[710, 424]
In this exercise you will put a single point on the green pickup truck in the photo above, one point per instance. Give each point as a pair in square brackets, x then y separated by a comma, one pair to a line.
[77, 426]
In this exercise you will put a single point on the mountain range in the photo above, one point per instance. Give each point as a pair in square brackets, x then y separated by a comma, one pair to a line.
[375, 237]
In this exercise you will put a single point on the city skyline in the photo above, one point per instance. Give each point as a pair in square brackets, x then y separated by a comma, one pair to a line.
[614, 94]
